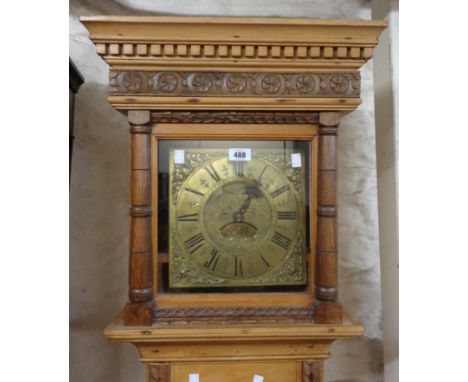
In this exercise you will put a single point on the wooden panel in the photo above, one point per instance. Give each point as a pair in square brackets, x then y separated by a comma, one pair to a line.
[241, 350]
[231, 333]
[236, 372]
[240, 299]
[123, 102]
[227, 131]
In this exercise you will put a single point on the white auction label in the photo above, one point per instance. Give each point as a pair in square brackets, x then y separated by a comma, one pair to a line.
[194, 378]
[257, 378]
[179, 156]
[296, 160]
[240, 154]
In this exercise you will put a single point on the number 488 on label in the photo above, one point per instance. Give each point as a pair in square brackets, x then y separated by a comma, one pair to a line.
[240, 154]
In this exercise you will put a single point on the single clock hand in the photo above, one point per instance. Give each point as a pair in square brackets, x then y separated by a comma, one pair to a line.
[252, 192]
[239, 215]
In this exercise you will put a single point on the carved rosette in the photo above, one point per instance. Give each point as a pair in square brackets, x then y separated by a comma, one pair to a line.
[235, 84]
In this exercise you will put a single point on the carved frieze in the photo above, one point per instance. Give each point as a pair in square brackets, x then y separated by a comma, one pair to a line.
[251, 117]
[234, 84]
[211, 312]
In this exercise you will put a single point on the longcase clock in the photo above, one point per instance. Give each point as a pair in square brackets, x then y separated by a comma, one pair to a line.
[233, 128]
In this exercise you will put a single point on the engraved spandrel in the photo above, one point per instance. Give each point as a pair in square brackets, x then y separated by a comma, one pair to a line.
[291, 269]
[283, 162]
[193, 160]
[183, 270]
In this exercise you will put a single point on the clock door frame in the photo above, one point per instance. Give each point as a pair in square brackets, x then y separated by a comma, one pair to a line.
[296, 301]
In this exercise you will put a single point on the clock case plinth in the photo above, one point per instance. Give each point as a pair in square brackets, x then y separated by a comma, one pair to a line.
[232, 78]
[284, 352]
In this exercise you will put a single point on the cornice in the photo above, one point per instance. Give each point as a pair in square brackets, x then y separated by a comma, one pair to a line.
[234, 63]
[162, 43]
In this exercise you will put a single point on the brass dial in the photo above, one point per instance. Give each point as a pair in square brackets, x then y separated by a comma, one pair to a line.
[236, 222]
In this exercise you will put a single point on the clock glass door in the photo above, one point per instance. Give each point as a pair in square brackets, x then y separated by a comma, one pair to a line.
[233, 215]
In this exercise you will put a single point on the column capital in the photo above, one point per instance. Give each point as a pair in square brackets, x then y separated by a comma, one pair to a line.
[139, 117]
[329, 118]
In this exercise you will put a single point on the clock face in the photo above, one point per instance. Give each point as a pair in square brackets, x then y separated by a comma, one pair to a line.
[236, 223]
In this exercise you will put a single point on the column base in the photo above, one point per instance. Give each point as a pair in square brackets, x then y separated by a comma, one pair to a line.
[138, 314]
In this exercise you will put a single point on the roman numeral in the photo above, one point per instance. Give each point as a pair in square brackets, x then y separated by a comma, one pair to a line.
[188, 218]
[211, 170]
[238, 267]
[211, 264]
[281, 240]
[287, 215]
[264, 261]
[280, 191]
[259, 179]
[239, 169]
[189, 189]
[195, 243]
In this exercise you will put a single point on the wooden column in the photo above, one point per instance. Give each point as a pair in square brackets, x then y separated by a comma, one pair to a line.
[327, 310]
[139, 310]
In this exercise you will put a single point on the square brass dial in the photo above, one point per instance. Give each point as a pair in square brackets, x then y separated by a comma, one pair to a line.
[237, 222]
